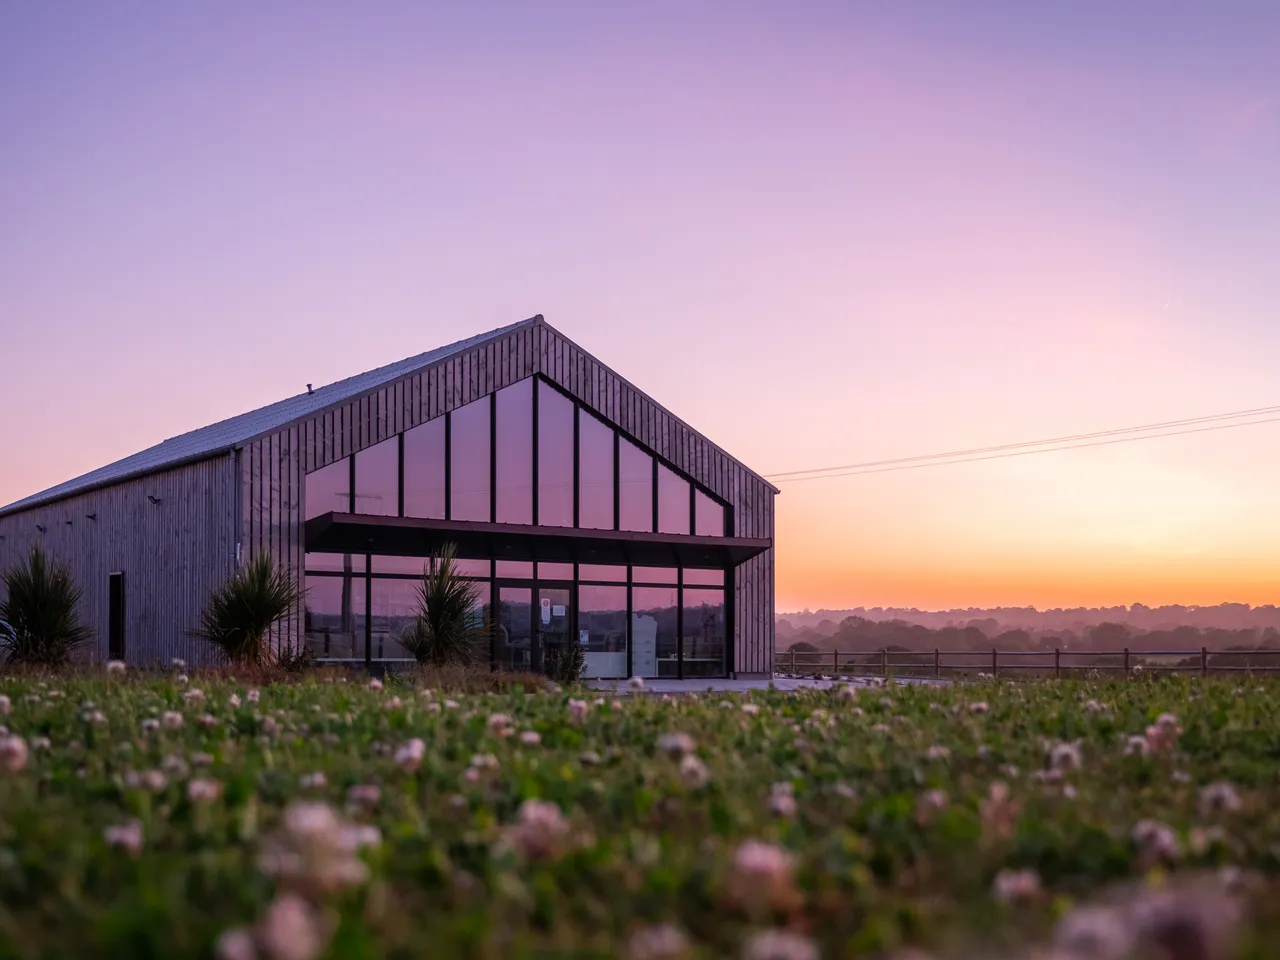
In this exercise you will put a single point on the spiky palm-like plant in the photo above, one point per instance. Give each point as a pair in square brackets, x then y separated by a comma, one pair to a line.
[446, 629]
[245, 607]
[38, 620]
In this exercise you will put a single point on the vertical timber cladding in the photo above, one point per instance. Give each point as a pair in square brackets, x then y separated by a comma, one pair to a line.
[173, 553]
[482, 370]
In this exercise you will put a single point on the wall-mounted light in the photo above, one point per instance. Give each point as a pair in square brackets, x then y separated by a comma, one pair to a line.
[40, 528]
[91, 516]
[153, 499]
[68, 523]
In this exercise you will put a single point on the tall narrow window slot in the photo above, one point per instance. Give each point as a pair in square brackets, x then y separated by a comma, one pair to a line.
[115, 616]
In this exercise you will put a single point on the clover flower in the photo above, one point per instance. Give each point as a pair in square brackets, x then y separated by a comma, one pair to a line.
[193, 696]
[204, 791]
[292, 929]
[171, 720]
[664, 941]
[410, 754]
[315, 851]
[125, 836]
[375, 683]
[499, 725]
[751, 709]
[577, 711]
[313, 781]
[174, 765]
[6, 705]
[937, 752]
[252, 696]
[182, 679]
[762, 876]
[1156, 842]
[1136, 747]
[1219, 797]
[999, 811]
[929, 804]
[979, 706]
[782, 799]
[693, 771]
[13, 753]
[233, 701]
[636, 683]
[115, 667]
[1065, 757]
[540, 831]
[178, 663]
[530, 738]
[676, 744]
[779, 945]
[1015, 885]
[364, 794]
[235, 944]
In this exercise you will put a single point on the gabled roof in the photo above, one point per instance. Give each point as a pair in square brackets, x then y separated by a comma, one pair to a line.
[227, 434]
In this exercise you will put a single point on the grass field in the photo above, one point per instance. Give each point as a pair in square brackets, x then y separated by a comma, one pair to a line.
[157, 817]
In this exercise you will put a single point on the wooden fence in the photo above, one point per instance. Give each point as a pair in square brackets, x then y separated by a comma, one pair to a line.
[1022, 663]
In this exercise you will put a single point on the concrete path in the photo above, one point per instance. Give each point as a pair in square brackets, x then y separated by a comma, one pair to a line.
[743, 686]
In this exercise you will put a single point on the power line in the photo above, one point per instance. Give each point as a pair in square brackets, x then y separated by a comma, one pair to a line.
[1002, 451]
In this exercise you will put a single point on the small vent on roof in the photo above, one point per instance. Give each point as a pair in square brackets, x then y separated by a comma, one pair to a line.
[309, 390]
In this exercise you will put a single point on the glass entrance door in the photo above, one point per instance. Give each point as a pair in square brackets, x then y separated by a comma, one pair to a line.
[553, 616]
[513, 643]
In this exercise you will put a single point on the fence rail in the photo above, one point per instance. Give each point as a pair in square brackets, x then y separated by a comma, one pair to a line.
[1049, 663]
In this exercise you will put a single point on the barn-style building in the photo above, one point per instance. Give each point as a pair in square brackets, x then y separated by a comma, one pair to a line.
[585, 512]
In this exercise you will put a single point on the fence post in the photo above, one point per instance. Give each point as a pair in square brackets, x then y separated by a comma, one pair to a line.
[1057, 662]
[1126, 661]
[835, 664]
[884, 662]
[995, 662]
[1204, 661]
[937, 662]
[793, 661]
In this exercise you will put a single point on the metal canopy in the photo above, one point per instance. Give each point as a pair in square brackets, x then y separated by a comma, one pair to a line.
[415, 537]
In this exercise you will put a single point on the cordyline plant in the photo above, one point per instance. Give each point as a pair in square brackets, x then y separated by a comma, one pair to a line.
[446, 629]
[39, 625]
[244, 608]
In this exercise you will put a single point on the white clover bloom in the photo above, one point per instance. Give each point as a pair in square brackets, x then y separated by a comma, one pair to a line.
[375, 683]
[410, 754]
[171, 720]
[1136, 747]
[762, 875]
[364, 794]
[313, 781]
[252, 696]
[150, 725]
[115, 666]
[662, 942]
[782, 799]
[937, 752]
[6, 706]
[499, 725]
[676, 744]
[779, 945]
[751, 709]
[693, 771]
[1219, 797]
[41, 743]
[577, 710]
[182, 680]
[1156, 841]
[174, 766]
[233, 701]
[235, 944]
[13, 754]
[125, 836]
[1065, 757]
[530, 738]
[540, 830]
[636, 683]
[193, 696]
[204, 791]
[1015, 885]
[178, 663]
[979, 706]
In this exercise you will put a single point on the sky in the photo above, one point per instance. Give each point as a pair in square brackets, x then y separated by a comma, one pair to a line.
[820, 232]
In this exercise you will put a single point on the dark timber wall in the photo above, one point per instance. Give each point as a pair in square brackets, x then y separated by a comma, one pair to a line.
[273, 467]
[173, 552]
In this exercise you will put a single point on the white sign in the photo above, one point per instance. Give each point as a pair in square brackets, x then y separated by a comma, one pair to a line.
[558, 610]
[584, 637]
[546, 609]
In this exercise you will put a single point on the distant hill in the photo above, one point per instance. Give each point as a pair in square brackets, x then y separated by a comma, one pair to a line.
[1227, 626]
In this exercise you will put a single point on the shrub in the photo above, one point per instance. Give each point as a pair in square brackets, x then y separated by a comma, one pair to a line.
[446, 629]
[38, 621]
[245, 607]
[566, 665]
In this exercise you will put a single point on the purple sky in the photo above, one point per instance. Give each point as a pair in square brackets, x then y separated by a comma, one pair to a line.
[818, 232]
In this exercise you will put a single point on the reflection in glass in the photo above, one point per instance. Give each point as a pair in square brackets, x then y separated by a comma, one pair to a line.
[673, 502]
[378, 479]
[515, 569]
[335, 561]
[515, 453]
[595, 473]
[328, 490]
[704, 633]
[554, 615]
[555, 458]
[424, 470]
[654, 574]
[710, 578]
[602, 571]
[410, 566]
[635, 487]
[513, 639]
[334, 621]
[395, 608]
[555, 571]
[654, 626]
[708, 516]
[469, 434]
[602, 630]
[473, 568]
